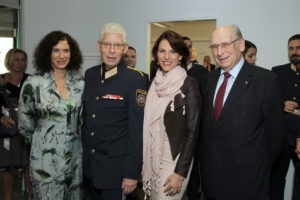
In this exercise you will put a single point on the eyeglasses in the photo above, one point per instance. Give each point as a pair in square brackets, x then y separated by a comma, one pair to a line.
[110, 45]
[224, 45]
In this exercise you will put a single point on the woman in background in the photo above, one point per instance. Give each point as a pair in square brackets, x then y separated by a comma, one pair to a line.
[13, 151]
[49, 118]
[250, 52]
[171, 121]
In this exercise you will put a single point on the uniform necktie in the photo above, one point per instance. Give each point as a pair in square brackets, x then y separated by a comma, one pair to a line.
[220, 96]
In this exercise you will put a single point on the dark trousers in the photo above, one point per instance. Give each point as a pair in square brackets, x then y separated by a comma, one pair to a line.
[104, 194]
[92, 193]
[279, 171]
[193, 186]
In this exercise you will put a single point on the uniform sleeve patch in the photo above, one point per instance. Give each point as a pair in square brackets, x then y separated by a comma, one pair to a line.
[141, 97]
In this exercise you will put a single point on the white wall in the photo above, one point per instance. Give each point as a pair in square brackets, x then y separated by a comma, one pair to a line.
[267, 23]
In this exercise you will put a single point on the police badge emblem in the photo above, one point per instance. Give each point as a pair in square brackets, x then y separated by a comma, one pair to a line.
[141, 97]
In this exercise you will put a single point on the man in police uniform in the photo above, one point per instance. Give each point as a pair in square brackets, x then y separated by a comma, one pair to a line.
[113, 109]
[289, 82]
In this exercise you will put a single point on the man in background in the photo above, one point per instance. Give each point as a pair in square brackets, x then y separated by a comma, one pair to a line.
[198, 72]
[207, 63]
[289, 83]
[130, 56]
[130, 59]
[195, 70]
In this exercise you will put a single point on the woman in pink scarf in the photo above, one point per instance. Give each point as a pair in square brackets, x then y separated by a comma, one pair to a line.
[171, 121]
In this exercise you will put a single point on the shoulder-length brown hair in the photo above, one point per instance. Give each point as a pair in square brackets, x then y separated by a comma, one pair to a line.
[176, 43]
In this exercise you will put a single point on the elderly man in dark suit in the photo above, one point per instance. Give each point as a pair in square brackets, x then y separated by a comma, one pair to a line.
[242, 123]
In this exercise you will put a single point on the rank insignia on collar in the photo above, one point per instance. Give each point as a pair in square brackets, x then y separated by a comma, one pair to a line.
[111, 73]
[141, 96]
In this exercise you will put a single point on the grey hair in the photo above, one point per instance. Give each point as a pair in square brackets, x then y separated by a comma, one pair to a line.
[113, 28]
[237, 31]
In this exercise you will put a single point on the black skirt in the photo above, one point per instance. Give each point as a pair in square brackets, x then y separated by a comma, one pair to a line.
[16, 156]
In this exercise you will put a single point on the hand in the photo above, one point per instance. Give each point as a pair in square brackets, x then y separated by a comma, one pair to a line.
[7, 122]
[173, 184]
[297, 150]
[128, 185]
[290, 106]
[296, 112]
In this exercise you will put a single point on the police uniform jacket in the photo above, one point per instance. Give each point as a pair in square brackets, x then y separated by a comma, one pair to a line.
[289, 83]
[113, 110]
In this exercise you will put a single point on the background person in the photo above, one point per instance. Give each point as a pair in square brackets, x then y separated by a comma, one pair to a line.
[49, 105]
[289, 81]
[250, 52]
[207, 63]
[198, 72]
[171, 121]
[13, 151]
[130, 56]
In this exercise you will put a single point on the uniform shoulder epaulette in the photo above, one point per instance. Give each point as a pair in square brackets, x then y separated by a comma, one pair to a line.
[136, 70]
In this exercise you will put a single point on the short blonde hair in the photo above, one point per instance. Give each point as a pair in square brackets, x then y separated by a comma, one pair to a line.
[113, 28]
[10, 56]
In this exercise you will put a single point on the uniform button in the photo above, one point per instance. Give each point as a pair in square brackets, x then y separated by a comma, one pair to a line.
[102, 81]
[294, 98]
[297, 74]
[97, 98]
[296, 84]
[92, 133]
[93, 115]
[93, 151]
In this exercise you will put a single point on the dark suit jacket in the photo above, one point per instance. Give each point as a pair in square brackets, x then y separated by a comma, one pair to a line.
[197, 72]
[289, 83]
[238, 149]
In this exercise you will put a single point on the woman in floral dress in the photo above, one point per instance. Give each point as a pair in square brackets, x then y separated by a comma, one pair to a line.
[49, 109]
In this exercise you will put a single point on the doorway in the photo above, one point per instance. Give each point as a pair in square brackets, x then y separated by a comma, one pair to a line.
[199, 31]
[9, 32]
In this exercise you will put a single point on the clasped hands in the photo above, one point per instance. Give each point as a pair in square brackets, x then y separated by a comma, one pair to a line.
[291, 107]
[7, 122]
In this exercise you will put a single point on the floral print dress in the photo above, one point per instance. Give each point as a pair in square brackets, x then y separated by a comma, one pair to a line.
[51, 124]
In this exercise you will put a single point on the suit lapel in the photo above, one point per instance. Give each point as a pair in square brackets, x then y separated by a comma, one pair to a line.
[241, 83]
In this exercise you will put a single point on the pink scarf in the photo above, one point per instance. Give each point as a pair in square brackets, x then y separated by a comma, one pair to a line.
[161, 93]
